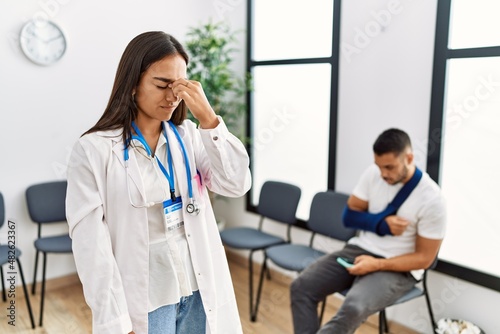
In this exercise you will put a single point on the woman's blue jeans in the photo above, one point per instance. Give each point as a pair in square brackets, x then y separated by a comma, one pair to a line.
[185, 317]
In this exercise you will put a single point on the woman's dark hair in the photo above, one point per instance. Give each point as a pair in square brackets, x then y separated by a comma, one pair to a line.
[144, 50]
[392, 141]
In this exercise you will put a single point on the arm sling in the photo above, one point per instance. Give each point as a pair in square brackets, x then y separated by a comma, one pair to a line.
[375, 222]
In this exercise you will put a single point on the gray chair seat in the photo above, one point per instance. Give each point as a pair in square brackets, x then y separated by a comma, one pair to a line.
[4, 253]
[293, 257]
[248, 238]
[54, 244]
[413, 293]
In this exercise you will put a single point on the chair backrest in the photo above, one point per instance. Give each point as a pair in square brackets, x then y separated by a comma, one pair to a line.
[47, 202]
[325, 215]
[433, 264]
[2, 210]
[279, 201]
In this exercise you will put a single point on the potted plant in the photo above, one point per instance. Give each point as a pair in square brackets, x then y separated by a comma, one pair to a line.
[211, 47]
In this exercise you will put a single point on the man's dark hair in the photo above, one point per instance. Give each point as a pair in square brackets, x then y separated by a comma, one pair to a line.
[392, 141]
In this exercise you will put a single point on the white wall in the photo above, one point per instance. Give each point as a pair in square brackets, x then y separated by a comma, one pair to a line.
[45, 109]
[385, 81]
[385, 78]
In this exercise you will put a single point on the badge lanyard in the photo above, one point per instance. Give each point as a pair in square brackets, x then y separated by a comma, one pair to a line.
[191, 207]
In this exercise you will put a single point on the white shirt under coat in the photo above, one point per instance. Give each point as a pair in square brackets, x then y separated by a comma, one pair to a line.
[171, 273]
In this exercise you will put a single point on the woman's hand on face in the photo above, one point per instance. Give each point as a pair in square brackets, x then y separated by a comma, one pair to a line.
[193, 95]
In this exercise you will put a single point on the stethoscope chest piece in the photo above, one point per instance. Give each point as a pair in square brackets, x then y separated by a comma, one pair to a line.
[192, 208]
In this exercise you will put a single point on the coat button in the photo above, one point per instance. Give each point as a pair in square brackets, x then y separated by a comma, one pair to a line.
[215, 138]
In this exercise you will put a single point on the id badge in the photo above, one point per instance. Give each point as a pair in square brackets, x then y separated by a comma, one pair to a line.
[173, 214]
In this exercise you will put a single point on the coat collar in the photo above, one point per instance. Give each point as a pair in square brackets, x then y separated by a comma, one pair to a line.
[177, 158]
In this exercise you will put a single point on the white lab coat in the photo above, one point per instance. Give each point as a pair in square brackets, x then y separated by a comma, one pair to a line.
[110, 236]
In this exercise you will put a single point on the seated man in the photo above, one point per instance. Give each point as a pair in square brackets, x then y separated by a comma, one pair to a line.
[400, 235]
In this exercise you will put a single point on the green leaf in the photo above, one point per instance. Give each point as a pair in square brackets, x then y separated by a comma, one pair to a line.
[211, 47]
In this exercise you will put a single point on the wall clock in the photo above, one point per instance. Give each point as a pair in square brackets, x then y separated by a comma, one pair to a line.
[43, 42]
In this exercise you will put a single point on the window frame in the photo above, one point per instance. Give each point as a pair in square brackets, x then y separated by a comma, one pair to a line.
[333, 60]
[436, 126]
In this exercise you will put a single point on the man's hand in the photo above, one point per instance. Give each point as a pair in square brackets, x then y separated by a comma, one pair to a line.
[364, 264]
[397, 225]
[425, 253]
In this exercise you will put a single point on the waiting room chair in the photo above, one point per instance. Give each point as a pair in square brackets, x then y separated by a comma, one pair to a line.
[47, 205]
[325, 218]
[278, 201]
[415, 292]
[7, 254]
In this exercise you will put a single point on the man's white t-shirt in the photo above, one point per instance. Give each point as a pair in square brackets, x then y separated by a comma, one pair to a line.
[424, 209]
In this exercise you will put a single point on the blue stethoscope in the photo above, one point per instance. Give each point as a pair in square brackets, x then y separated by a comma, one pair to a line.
[191, 208]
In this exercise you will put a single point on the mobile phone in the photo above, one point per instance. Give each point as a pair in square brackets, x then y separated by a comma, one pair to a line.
[348, 263]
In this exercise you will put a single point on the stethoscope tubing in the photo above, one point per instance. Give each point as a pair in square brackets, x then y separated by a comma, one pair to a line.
[191, 207]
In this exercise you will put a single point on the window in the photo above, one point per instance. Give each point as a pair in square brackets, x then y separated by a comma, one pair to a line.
[464, 132]
[304, 29]
[474, 24]
[294, 64]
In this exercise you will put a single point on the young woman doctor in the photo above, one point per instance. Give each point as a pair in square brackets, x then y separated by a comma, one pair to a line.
[145, 241]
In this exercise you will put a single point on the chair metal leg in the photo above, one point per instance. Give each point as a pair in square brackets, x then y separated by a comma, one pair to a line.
[26, 295]
[43, 287]
[322, 312]
[250, 283]
[4, 295]
[429, 306]
[268, 272]
[263, 270]
[382, 322]
[33, 286]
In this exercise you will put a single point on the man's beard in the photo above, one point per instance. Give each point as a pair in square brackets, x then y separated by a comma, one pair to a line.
[404, 174]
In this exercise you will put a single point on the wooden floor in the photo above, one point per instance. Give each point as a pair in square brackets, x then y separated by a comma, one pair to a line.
[66, 310]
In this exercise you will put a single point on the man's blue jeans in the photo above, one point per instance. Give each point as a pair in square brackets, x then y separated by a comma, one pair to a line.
[185, 317]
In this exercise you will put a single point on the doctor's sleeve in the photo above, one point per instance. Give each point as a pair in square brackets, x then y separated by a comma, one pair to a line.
[92, 250]
[224, 161]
